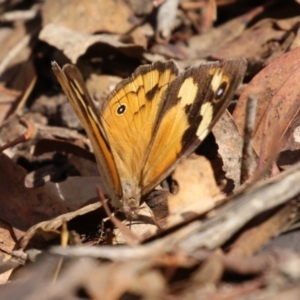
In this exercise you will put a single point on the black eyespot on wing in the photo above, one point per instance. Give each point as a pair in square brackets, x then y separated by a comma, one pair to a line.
[121, 109]
[150, 94]
[221, 90]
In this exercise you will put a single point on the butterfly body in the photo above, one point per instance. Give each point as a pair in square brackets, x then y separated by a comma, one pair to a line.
[150, 121]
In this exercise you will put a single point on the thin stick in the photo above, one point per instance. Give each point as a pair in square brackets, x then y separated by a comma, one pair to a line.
[22, 138]
[247, 153]
[213, 232]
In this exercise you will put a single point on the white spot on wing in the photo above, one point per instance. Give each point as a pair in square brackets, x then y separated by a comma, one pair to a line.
[207, 115]
[217, 80]
[187, 92]
[78, 87]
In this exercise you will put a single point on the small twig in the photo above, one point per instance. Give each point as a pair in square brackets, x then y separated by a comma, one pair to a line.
[22, 138]
[26, 93]
[247, 152]
[262, 154]
[212, 233]
[64, 238]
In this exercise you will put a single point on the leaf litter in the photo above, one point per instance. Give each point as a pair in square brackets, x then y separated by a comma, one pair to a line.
[202, 233]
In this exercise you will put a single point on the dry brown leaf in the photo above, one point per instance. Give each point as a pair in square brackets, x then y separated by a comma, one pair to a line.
[196, 182]
[203, 45]
[16, 67]
[141, 7]
[257, 42]
[51, 145]
[230, 148]
[7, 241]
[24, 81]
[47, 230]
[167, 50]
[7, 101]
[290, 152]
[275, 87]
[75, 191]
[254, 40]
[296, 41]
[9, 131]
[131, 277]
[138, 36]
[195, 179]
[21, 207]
[89, 16]
[83, 166]
[74, 44]
[4, 276]
[11, 40]
[211, 270]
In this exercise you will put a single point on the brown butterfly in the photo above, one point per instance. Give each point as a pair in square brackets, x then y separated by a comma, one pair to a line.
[150, 121]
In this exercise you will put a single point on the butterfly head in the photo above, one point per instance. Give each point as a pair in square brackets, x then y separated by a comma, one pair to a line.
[131, 212]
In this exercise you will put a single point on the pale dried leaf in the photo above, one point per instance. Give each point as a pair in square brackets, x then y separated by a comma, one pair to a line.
[230, 144]
[49, 229]
[75, 44]
[198, 192]
[89, 16]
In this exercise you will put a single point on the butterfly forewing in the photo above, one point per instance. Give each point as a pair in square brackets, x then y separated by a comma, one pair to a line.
[193, 103]
[73, 85]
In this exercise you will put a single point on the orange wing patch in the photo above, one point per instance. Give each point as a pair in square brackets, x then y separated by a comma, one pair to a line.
[130, 114]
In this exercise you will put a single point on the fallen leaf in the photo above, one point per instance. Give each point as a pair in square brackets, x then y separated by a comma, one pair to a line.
[75, 44]
[205, 44]
[21, 207]
[46, 231]
[195, 179]
[278, 101]
[7, 241]
[230, 144]
[255, 43]
[89, 17]
[74, 192]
